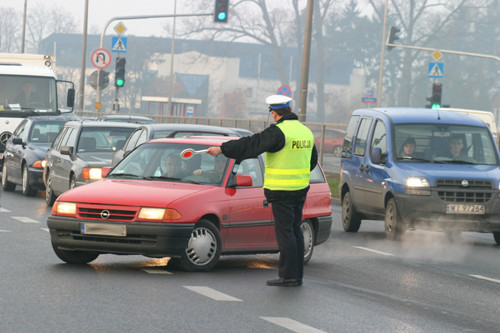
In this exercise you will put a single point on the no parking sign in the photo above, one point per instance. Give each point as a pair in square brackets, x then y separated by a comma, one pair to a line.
[285, 90]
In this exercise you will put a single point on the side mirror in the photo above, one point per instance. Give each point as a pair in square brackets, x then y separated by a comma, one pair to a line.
[70, 101]
[376, 155]
[17, 141]
[66, 150]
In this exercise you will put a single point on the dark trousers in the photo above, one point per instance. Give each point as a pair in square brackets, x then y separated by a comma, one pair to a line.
[288, 219]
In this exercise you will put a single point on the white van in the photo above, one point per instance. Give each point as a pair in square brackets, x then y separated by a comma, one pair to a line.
[487, 117]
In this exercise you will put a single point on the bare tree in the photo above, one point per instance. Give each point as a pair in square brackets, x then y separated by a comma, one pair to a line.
[43, 21]
[10, 34]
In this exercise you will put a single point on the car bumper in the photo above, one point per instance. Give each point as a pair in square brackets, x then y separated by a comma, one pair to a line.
[430, 212]
[148, 239]
[36, 178]
[324, 227]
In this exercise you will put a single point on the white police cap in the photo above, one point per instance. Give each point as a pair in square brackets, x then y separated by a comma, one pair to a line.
[278, 101]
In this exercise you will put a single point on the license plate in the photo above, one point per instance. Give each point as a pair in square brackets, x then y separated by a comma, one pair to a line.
[103, 229]
[464, 209]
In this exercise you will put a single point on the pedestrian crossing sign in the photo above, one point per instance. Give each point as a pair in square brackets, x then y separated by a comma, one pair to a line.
[436, 69]
[119, 44]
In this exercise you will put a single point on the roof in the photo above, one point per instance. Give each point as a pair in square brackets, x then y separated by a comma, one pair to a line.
[105, 124]
[198, 140]
[193, 127]
[424, 115]
[26, 70]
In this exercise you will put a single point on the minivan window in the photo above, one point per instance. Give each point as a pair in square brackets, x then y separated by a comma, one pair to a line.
[351, 127]
[379, 139]
[362, 136]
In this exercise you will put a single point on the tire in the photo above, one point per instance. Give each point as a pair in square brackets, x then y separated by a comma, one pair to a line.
[50, 197]
[6, 185]
[72, 182]
[203, 249]
[309, 240]
[337, 151]
[75, 257]
[26, 187]
[394, 227]
[496, 236]
[351, 221]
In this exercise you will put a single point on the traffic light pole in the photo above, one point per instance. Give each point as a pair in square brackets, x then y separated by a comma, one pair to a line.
[445, 51]
[137, 17]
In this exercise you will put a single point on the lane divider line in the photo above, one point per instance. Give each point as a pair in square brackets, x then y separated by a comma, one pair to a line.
[212, 293]
[292, 325]
[5, 230]
[485, 278]
[374, 251]
[45, 229]
[3, 210]
[24, 219]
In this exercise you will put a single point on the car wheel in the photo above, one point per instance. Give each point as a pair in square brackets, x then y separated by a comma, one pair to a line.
[308, 232]
[27, 189]
[75, 257]
[337, 151]
[351, 221]
[50, 197]
[496, 236]
[394, 227]
[6, 185]
[72, 182]
[203, 249]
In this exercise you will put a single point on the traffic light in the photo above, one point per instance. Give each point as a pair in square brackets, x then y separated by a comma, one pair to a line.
[221, 9]
[435, 98]
[393, 31]
[120, 72]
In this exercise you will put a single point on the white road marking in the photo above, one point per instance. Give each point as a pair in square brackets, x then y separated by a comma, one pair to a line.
[5, 230]
[374, 251]
[45, 229]
[292, 325]
[212, 293]
[24, 219]
[3, 210]
[156, 271]
[485, 278]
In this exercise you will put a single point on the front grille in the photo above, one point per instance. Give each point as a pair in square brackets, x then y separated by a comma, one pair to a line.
[112, 213]
[476, 191]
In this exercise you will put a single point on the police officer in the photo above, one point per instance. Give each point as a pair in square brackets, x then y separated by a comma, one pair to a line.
[290, 157]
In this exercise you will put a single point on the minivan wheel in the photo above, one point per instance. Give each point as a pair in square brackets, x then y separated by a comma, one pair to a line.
[394, 227]
[496, 236]
[351, 221]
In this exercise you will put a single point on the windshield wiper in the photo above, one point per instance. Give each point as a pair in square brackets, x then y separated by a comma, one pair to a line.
[119, 175]
[162, 178]
[416, 159]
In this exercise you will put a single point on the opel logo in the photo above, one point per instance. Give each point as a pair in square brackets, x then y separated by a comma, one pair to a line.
[105, 214]
[465, 183]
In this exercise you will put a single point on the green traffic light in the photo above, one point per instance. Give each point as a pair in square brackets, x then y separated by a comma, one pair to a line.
[436, 106]
[221, 16]
[119, 82]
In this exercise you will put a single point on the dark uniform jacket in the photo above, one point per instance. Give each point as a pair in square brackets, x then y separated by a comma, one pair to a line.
[271, 140]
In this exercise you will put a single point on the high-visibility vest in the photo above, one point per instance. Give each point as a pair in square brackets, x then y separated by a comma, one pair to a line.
[289, 168]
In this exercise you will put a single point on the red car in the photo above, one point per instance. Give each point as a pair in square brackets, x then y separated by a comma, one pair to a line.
[334, 139]
[211, 208]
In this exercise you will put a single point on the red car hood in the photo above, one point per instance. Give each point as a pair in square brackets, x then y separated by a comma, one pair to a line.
[131, 192]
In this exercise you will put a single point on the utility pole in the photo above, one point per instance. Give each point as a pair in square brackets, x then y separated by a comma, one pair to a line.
[304, 76]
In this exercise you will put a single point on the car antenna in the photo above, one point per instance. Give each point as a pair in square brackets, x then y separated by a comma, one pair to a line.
[439, 117]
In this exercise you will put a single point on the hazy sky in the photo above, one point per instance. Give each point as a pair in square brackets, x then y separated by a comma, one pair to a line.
[100, 11]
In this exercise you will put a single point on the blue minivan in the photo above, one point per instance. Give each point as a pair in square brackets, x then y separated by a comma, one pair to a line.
[420, 168]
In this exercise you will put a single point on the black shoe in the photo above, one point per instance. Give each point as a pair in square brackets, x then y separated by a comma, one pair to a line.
[285, 282]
